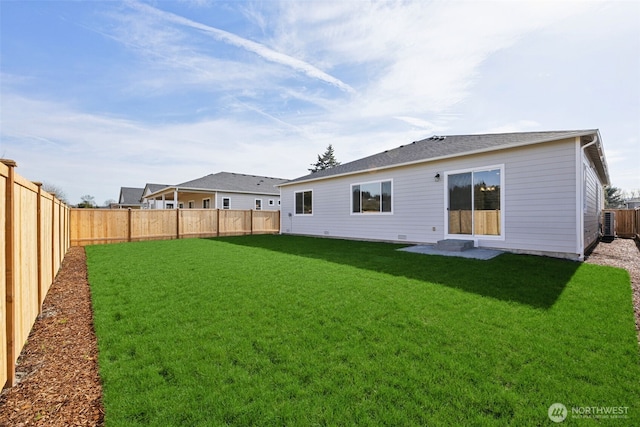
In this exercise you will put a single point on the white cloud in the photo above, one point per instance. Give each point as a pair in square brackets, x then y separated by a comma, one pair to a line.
[249, 45]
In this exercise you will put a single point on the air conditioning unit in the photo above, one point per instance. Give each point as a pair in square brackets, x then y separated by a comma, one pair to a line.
[609, 224]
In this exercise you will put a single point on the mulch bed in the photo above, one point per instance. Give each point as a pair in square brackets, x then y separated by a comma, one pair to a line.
[57, 372]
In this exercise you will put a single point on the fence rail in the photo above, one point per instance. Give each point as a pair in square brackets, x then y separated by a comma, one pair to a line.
[102, 226]
[34, 240]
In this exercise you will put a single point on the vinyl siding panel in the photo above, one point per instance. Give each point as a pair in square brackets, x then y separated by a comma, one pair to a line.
[539, 201]
[241, 201]
[591, 203]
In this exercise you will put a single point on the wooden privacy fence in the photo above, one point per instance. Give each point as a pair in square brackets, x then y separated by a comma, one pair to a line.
[34, 240]
[627, 222]
[100, 226]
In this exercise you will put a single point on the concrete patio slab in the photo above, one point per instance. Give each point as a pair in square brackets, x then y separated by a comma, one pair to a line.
[475, 253]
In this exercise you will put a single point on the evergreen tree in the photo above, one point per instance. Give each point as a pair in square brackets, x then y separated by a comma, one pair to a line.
[613, 198]
[325, 161]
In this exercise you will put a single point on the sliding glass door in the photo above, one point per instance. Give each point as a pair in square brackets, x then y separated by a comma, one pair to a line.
[474, 203]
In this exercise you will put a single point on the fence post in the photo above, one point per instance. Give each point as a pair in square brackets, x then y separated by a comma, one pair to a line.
[217, 222]
[251, 222]
[39, 244]
[177, 222]
[10, 277]
[53, 235]
[129, 225]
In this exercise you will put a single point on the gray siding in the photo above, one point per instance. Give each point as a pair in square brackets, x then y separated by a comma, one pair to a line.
[539, 195]
[247, 201]
[592, 203]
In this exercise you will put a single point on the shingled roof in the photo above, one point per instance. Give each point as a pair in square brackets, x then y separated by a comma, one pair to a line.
[235, 182]
[130, 196]
[442, 147]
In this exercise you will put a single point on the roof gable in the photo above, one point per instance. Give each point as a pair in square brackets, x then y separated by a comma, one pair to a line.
[130, 195]
[441, 147]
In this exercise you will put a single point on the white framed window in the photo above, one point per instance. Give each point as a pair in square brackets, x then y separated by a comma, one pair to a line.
[278, 202]
[169, 205]
[226, 203]
[258, 204]
[375, 197]
[206, 203]
[475, 202]
[271, 202]
[304, 202]
[191, 204]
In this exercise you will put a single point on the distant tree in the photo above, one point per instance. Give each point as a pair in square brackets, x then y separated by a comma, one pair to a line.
[54, 189]
[325, 161]
[109, 202]
[88, 201]
[613, 198]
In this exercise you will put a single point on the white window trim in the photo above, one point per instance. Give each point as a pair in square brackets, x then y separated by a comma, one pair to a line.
[209, 199]
[229, 204]
[255, 204]
[191, 204]
[271, 202]
[372, 213]
[475, 237]
[294, 203]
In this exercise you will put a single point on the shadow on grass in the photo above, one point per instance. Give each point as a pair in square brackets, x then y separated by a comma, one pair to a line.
[531, 280]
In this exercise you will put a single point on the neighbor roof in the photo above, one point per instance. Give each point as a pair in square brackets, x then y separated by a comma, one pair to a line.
[442, 147]
[233, 183]
[130, 196]
[152, 188]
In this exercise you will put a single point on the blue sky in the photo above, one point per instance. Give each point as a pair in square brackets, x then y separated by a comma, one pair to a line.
[97, 95]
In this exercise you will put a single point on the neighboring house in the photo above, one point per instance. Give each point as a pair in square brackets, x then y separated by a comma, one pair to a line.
[532, 192]
[632, 203]
[222, 190]
[130, 197]
[152, 203]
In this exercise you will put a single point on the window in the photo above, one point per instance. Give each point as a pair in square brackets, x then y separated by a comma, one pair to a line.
[271, 202]
[304, 202]
[168, 205]
[278, 202]
[475, 202]
[191, 204]
[206, 203]
[371, 197]
[258, 204]
[226, 203]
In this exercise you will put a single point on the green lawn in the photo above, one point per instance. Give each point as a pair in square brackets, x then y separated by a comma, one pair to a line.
[283, 330]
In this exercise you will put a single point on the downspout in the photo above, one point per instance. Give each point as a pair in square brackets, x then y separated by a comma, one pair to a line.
[582, 196]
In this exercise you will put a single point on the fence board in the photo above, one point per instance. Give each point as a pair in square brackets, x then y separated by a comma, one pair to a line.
[198, 223]
[266, 222]
[152, 224]
[25, 270]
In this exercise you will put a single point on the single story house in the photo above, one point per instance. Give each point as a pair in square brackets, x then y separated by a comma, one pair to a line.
[632, 203]
[223, 190]
[130, 197]
[527, 192]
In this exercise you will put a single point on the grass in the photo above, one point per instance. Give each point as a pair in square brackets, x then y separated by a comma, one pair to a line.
[284, 330]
